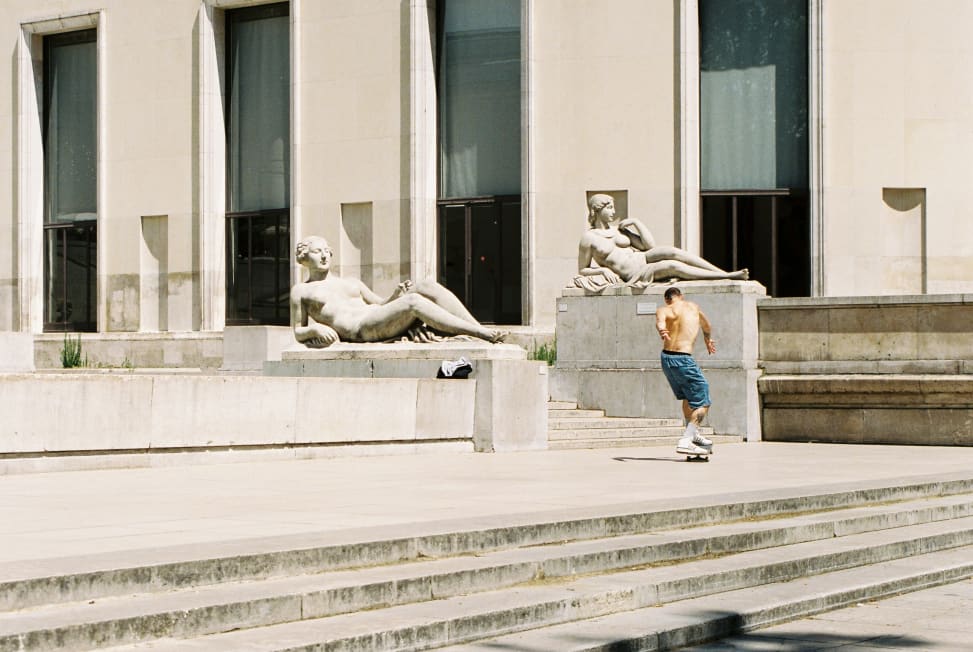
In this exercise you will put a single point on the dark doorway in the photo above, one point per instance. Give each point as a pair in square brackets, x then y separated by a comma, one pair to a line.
[768, 233]
[473, 236]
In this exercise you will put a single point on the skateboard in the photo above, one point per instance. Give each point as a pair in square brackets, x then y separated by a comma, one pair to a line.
[695, 457]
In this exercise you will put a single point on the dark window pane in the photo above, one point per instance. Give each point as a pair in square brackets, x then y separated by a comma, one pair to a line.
[70, 127]
[793, 248]
[479, 97]
[479, 256]
[485, 264]
[717, 220]
[452, 250]
[269, 277]
[257, 268]
[258, 164]
[238, 269]
[753, 94]
[754, 237]
[70, 268]
[258, 108]
[510, 300]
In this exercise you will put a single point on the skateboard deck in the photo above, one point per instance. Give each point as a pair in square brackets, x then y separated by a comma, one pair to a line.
[696, 457]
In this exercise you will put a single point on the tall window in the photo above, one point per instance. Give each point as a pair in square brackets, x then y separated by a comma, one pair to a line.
[70, 180]
[754, 140]
[258, 164]
[479, 91]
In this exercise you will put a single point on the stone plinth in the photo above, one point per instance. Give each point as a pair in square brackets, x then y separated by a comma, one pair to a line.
[608, 352]
[246, 348]
[511, 392]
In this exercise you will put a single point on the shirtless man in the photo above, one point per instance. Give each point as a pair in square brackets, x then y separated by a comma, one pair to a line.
[678, 323]
[347, 310]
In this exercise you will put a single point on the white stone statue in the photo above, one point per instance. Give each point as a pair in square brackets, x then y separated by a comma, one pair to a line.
[327, 308]
[613, 252]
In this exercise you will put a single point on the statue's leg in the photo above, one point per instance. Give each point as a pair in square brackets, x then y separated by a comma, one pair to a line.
[394, 318]
[443, 297]
[678, 269]
[660, 254]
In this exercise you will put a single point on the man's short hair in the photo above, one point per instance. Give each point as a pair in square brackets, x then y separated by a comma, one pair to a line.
[672, 292]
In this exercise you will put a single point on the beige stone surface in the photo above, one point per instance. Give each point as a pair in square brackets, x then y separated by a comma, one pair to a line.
[605, 100]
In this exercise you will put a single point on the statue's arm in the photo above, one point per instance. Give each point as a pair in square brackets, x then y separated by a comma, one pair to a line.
[307, 332]
[638, 233]
[369, 296]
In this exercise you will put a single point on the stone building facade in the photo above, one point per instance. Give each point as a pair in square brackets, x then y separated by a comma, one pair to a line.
[161, 157]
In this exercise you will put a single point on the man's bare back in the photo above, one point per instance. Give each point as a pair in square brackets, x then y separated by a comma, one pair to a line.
[679, 322]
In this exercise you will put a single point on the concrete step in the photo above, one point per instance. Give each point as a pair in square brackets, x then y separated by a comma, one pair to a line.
[575, 414]
[667, 432]
[627, 442]
[710, 618]
[616, 433]
[577, 423]
[542, 603]
[200, 610]
[98, 576]
[561, 405]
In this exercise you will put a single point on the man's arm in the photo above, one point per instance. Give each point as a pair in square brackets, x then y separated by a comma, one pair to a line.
[662, 324]
[707, 333]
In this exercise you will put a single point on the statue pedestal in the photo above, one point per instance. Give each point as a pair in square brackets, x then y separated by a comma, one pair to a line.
[608, 353]
[509, 406]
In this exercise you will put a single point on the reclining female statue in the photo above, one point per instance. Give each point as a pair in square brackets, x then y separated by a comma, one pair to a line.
[613, 252]
[327, 309]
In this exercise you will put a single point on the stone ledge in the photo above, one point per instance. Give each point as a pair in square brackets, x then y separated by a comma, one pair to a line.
[842, 367]
[701, 287]
[791, 303]
[449, 350]
[866, 390]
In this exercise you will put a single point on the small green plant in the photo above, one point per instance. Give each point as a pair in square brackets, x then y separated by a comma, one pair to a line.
[546, 352]
[71, 355]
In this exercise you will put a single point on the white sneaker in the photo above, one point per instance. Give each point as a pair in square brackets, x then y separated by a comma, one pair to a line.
[687, 447]
[692, 433]
[699, 440]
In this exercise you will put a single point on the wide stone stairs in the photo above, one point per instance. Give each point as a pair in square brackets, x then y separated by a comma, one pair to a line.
[608, 579]
[568, 427]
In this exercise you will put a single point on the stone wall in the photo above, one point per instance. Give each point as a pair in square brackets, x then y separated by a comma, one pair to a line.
[895, 369]
[114, 413]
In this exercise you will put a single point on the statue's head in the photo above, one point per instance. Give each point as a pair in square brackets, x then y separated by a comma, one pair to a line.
[305, 245]
[595, 204]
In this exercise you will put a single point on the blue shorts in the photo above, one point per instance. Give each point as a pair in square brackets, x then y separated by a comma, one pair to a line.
[686, 379]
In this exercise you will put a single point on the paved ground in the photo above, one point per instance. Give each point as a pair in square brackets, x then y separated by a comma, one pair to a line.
[937, 620]
[46, 519]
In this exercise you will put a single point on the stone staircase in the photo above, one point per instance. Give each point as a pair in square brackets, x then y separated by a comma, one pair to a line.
[608, 579]
[569, 427]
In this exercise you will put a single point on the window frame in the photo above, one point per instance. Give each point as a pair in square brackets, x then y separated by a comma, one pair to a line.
[61, 229]
[238, 316]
